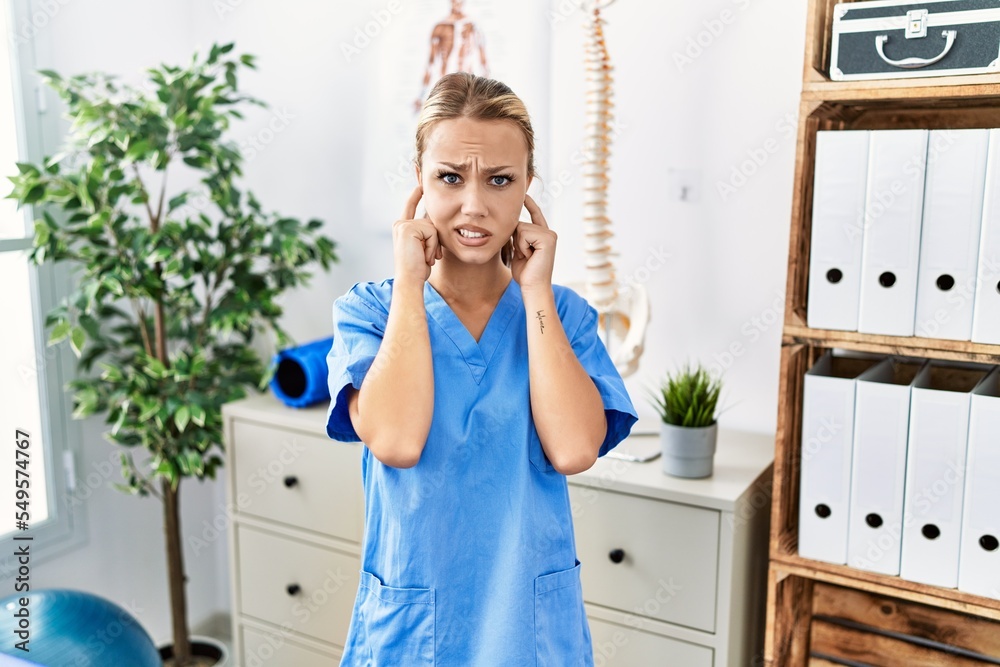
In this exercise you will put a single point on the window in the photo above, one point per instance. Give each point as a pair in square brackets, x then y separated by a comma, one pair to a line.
[32, 375]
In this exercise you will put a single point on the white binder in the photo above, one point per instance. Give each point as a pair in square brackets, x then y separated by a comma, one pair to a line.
[935, 472]
[986, 316]
[825, 450]
[839, 181]
[878, 468]
[949, 236]
[891, 244]
[979, 556]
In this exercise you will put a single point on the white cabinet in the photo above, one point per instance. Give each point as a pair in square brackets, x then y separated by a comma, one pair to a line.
[257, 648]
[668, 555]
[286, 475]
[673, 570]
[297, 516]
[616, 644]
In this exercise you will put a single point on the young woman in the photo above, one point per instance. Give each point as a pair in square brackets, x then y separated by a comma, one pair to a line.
[476, 386]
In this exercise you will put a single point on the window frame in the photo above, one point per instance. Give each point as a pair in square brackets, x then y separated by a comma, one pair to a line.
[39, 133]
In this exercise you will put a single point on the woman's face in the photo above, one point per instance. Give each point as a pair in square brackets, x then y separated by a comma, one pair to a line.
[474, 177]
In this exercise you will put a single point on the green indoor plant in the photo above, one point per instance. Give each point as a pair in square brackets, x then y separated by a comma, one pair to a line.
[168, 296]
[687, 403]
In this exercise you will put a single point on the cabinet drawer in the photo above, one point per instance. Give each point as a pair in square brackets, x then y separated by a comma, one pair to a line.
[271, 649]
[327, 581]
[623, 646]
[670, 562]
[299, 480]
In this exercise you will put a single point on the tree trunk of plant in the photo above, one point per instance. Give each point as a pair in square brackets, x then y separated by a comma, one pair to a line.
[175, 572]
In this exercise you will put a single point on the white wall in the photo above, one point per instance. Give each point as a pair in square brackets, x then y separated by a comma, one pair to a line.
[721, 288]
[312, 168]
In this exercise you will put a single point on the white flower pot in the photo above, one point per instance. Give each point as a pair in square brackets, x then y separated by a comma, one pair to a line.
[688, 452]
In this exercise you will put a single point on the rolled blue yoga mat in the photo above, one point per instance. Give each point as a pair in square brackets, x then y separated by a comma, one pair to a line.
[301, 377]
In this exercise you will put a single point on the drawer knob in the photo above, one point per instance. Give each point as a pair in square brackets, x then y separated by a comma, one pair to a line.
[291, 480]
[293, 589]
[616, 555]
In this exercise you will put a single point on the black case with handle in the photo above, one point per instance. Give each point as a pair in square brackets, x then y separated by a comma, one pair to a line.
[892, 39]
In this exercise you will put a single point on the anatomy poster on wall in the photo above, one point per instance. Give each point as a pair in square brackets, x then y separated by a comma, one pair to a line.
[421, 41]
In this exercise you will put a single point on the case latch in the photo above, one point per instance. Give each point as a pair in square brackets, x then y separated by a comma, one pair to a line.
[916, 23]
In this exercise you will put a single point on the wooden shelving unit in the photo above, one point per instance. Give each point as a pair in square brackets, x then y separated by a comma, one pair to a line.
[820, 614]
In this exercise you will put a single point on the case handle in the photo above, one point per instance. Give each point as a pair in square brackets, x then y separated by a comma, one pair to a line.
[913, 63]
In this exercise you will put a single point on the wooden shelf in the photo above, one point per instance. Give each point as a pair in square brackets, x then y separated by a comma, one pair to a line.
[895, 587]
[955, 112]
[826, 620]
[817, 115]
[821, 614]
[818, 87]
[933, 348]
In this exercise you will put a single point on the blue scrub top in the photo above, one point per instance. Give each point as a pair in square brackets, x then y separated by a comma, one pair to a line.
[469, 557]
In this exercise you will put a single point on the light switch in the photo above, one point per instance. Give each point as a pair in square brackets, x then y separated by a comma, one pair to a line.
[684, 185]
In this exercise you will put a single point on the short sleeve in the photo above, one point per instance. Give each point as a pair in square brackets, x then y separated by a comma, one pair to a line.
[594, 358]
[358, 329]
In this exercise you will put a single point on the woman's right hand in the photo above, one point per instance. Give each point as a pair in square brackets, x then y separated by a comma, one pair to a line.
[415, 242]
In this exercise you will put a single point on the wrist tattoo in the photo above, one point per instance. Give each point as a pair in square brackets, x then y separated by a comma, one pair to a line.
[540, 318]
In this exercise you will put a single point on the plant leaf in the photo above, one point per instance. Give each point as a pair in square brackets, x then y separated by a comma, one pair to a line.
[59, 332]
[181, 417]
[77, 338]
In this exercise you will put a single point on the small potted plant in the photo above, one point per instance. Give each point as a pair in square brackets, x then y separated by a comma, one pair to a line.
[686, 402]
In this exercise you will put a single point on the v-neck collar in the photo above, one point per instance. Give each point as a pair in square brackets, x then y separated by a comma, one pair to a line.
[477, 355]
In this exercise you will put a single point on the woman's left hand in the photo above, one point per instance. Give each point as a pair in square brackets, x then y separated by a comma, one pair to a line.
[534, 250]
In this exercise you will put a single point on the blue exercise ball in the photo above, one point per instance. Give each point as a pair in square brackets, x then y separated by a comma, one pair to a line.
[66, 627]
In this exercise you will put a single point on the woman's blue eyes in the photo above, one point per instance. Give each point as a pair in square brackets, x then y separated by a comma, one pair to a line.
[506, 180]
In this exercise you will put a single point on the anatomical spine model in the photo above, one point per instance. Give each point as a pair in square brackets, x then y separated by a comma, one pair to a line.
[623, 310]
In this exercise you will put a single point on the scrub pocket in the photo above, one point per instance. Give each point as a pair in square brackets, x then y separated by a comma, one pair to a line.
[537, 455]
[398, 622]
[562, 636]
